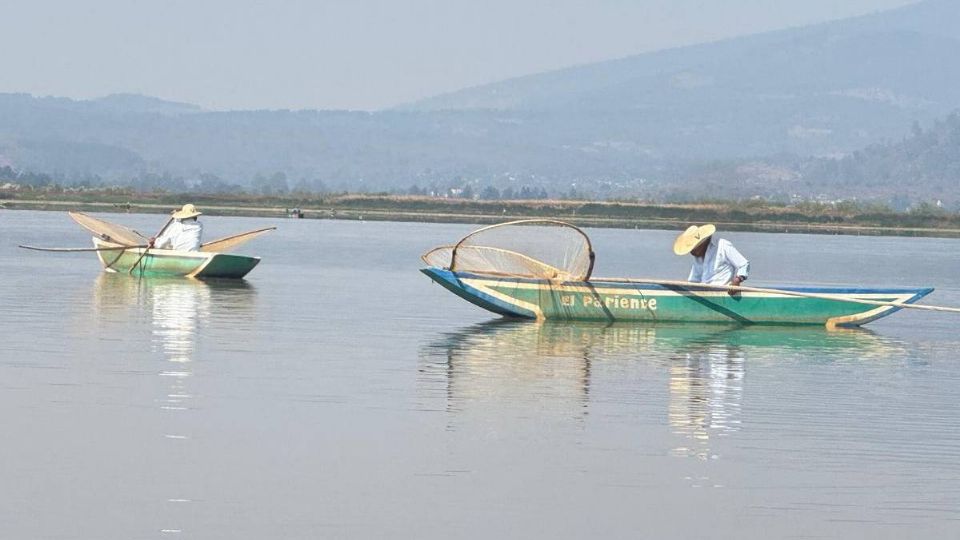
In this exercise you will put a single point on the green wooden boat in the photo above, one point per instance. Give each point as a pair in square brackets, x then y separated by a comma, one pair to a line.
[599, 299]
[493, 271]
[166, 262]
[123, 250]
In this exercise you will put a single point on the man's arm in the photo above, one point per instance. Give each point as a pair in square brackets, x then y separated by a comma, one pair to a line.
[740, 264]
[696, 273]
[738, 261]
[165, 240]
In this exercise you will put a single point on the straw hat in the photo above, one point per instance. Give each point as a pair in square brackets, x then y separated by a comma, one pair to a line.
[188, 211]
[692, 237]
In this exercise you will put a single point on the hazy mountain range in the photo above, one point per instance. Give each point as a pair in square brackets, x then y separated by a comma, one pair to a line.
[764, 114]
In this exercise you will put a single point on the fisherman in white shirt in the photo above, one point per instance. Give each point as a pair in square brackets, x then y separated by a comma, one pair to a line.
[184, 233]
[715, 260]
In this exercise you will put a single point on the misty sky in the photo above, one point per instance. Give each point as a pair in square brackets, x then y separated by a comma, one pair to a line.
[350, 54]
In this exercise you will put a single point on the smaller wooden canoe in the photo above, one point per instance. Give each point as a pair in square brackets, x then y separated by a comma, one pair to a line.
[167, 262]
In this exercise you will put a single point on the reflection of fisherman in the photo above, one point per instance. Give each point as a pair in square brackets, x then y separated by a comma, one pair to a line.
[178, 307]
[184, 233]
[716, 261]
[706, 387]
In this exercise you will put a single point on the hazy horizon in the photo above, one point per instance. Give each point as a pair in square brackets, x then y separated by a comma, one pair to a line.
[363, 55]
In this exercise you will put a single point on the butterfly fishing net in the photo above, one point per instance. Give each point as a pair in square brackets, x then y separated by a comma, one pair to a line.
[541, 249]
[224, 245]
[110, 232]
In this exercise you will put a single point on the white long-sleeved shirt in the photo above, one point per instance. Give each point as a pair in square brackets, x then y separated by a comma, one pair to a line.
[719, 264]
[181, 236]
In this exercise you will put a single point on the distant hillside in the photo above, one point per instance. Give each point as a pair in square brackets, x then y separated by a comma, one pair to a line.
[676, 123]
[900, 57]
[343, 150]
[923, 167]
[135, 103]
[822, 89]
[928, 161]
[116, 104]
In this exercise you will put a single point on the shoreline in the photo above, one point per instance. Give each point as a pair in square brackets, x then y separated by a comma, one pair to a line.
[360, 208]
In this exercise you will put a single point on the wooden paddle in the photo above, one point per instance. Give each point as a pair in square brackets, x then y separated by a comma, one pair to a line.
[741, 288]
[144, 254]
[75, 250]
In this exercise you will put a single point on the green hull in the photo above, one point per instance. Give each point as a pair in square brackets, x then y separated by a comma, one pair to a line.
[162, 262]
[606, 300]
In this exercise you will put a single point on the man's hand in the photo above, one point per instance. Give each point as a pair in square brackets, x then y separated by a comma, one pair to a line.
[736, 281]
[153, 240]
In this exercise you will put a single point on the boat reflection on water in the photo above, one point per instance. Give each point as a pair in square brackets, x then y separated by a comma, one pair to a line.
[507, 362]
[176, 307]
[177, 311]
[556, 364]
[706, 389]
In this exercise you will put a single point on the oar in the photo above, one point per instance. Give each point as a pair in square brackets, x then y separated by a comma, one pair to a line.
[76, 250]
[144, 254]
[741, 288]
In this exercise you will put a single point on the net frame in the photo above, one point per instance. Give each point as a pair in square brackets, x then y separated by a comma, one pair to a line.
[538, 267]
[228, 243]
[108, 231]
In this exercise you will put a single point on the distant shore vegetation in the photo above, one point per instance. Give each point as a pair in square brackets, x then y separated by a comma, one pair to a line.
[833, 217]
[149, 186]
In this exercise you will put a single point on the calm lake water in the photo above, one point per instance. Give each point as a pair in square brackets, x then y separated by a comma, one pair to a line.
[337, 393]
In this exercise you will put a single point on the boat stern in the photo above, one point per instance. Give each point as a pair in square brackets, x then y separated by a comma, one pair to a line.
[900, 296]
[227, 266]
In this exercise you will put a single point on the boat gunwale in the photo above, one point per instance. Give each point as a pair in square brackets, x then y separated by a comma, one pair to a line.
[844, 290]
[158, 252]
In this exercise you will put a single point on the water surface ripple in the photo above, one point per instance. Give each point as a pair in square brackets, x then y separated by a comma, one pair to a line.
[338, 393]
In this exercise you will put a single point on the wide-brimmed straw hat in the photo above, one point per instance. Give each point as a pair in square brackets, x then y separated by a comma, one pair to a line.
[188, 211]
[692, 237]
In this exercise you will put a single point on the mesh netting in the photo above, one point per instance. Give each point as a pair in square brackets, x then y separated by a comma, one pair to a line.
[108, 231]
[224, 245]
[530, 248]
